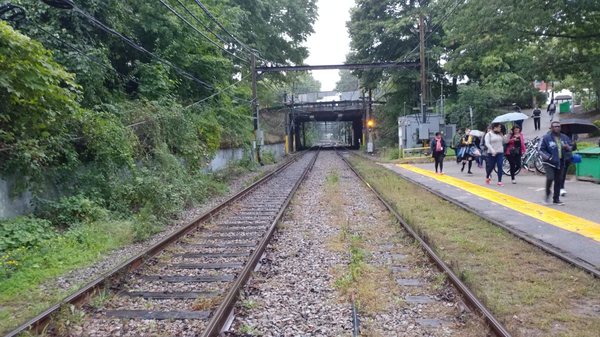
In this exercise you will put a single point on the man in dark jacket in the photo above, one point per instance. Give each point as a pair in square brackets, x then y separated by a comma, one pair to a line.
[552, 149]
[537, 116]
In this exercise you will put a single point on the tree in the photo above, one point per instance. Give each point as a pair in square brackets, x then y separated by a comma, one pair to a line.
[347, 82]
[39, 107]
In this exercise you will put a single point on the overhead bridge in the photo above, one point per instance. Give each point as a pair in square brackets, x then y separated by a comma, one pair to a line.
[349, 112]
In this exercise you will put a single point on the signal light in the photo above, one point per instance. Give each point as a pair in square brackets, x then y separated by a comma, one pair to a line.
[370, 123]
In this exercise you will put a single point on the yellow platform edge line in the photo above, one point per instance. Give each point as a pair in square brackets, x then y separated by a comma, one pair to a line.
[549, 215]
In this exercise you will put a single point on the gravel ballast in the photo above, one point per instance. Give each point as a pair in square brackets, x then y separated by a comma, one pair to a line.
[298, 291]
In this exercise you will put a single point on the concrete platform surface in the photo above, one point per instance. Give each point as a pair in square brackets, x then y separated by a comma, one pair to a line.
[572, 229]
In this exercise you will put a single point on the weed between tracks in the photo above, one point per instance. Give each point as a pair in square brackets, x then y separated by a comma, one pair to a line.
[532, 293]
[358, 278]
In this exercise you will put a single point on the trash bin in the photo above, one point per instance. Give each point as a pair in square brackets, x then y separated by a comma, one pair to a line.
[589, 168]
[564, 107]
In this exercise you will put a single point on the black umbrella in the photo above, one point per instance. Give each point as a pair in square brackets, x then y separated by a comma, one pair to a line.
[573, 125]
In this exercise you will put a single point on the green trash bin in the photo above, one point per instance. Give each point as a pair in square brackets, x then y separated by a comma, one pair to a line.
[589, 168]
[564, 107]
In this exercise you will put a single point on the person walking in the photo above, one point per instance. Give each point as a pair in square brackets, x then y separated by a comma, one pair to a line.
[438, 151]
[494, 142]
[568, 162]
[514, 150]
[466, 142]
[551, 110]
[552, 149]
[537, 117]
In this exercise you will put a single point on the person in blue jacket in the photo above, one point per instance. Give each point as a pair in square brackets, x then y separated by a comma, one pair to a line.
[552, 149]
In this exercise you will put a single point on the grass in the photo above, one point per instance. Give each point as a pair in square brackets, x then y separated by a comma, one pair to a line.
[532, 293]
[23, 292]
[20, 293]
[358, 277]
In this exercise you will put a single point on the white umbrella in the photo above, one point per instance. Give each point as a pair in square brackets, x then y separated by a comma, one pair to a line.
[476, 133]
[510, 117]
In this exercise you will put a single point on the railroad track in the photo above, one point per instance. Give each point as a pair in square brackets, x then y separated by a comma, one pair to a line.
[471, 300]
[293, 294]
[187, 284]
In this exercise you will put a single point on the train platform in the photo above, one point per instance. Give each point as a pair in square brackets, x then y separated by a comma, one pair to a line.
[572, 230]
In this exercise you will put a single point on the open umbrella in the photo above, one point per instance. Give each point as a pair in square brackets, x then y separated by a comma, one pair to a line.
[476, 133]
[574, 125]
[510, 117]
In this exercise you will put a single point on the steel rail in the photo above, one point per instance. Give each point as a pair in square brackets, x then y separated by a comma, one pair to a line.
[221, 314]
[40, 321]
[472, 300]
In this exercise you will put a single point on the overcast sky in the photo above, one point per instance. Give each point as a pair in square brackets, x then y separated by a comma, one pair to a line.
[330, 43]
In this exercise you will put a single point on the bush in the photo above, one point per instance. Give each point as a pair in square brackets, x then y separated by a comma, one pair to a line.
[391, 153]
[596, 133]
[24, 232]
[268, 157]
[69, 211]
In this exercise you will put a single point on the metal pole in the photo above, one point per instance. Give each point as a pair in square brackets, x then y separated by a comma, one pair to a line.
[422, 64]
[255, 110]
[369, 133]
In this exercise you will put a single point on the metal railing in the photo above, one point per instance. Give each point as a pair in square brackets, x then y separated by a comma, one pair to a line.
[415, 152]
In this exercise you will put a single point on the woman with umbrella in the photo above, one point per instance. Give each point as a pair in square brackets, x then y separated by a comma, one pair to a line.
[494, 142]
[514, 150]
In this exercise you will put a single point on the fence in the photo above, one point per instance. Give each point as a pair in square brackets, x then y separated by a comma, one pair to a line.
[416, 152]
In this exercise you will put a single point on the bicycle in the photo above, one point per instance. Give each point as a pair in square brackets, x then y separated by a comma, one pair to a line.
[530, 157]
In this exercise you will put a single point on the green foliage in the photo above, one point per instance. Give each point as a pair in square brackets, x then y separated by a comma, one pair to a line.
[77, 246]
[268, 157]
[347, 82]
[146, 224]
[597, 132]
[69, 211]
[38, 109]
[482, 99]
[24, 232]
[391, 153]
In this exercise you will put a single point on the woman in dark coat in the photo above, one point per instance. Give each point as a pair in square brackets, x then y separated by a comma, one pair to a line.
[438, 151]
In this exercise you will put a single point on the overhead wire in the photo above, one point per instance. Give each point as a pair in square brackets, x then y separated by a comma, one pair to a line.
[214, 19]
[220, 92]
[109, 30]
[91, 58]
[201, 33]
[187, 10]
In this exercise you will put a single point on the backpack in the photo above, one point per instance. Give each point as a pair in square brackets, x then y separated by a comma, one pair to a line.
[537, 112]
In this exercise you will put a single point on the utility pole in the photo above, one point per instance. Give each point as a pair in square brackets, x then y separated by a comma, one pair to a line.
[364, 133]
[369, 124]
[257, 138]
[287, 124]
[422, 61]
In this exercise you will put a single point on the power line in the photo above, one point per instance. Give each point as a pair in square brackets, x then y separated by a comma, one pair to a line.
[209, 14]
[91, 58]
[218, 93]
[109, 30]
[202, 23]
[199, 32]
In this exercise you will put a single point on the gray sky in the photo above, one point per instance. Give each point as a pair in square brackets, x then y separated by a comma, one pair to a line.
[330, 43]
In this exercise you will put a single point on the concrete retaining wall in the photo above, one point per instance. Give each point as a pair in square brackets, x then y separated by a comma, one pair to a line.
[11, 207]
